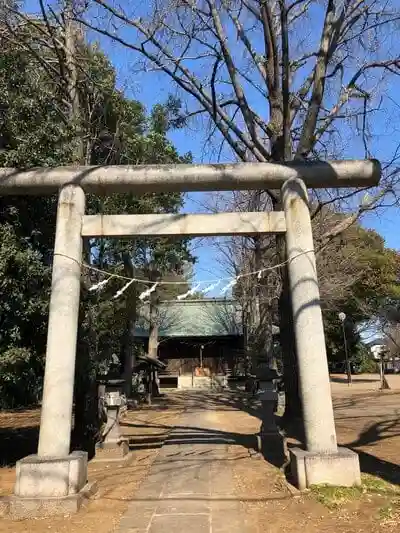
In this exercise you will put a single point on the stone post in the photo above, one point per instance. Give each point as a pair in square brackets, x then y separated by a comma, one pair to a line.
[56, 416]
[319, 464]
[309, 331]
[55, 481]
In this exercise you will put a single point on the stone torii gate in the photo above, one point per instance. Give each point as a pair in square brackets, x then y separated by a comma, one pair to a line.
[57, 478]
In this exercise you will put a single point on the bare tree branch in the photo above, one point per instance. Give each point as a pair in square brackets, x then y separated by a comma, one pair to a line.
[329, 40]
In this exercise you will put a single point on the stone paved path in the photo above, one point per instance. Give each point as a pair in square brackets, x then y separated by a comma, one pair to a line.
[189, 487]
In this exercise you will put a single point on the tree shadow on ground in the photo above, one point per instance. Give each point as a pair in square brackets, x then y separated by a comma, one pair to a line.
[16, 443]
[369, 436]
[370, 464]
[271, 446]
[375, 433]
[340, 379]
[385, 429]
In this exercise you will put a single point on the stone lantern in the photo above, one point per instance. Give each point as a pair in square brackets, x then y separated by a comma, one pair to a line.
[112, 446]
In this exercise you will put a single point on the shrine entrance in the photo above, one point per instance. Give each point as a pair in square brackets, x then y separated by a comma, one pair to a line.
[56, 473]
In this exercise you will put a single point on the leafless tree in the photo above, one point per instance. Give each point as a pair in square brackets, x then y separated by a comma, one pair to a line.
[242, 256]
[393, 340]
[337, 263]
[275, 79]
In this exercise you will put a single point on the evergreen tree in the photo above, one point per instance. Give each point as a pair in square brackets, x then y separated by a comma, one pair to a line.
[36, 130]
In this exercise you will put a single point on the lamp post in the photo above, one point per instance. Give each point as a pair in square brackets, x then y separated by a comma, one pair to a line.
[342, 318]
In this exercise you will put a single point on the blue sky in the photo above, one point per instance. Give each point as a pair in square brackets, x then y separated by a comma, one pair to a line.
[151, 88]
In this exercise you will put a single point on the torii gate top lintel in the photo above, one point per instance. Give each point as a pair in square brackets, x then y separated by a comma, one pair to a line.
[190, 177]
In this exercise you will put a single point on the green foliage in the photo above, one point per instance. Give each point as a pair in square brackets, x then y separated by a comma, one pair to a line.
[24, 282]
[198, 295]
[379, 267]
[24, 285]
[389, 514]
[334, 497]
[362, 360]
[19, 383]
[371, 279]
[35, 130]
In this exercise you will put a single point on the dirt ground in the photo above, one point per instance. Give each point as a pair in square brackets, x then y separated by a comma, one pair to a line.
[116, 483]
[367, 421]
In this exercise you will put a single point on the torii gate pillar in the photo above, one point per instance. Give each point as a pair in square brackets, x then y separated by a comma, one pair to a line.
[322, 462]
[55, 480]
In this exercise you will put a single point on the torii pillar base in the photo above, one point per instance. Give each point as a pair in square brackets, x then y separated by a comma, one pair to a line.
[48, 486]
[339, 469]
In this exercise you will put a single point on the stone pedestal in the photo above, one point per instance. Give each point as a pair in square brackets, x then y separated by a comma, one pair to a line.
[113, 446]
[311, 468]
[51, 476]
[115, 451]
[48, 486]
[269, 437]
[112, 432]
[269, 399]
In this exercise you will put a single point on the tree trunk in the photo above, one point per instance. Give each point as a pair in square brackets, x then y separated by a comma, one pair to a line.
[128, 344]
[287, 340]
[153, 341]
[129, 354]
[261, 318]
[70, 47]
[86, 412]
[86, 419]
[293, 408]
[383, 380]
[254, 329]
[283, 151]
[153, 338]
[153, 330]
